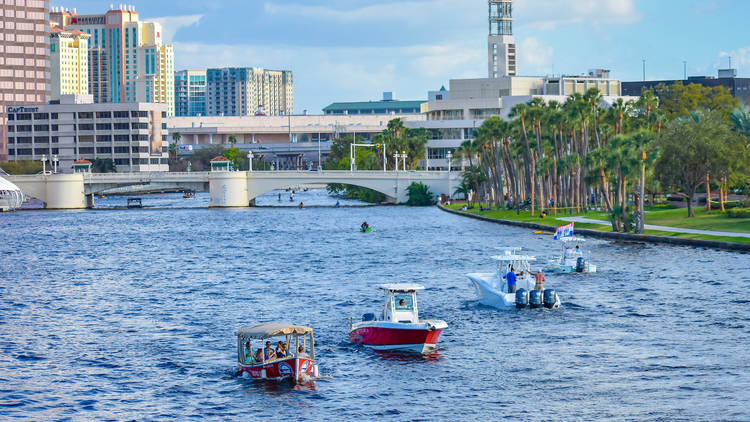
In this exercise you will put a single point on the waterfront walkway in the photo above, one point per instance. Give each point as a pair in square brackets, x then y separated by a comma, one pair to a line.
[660, 228]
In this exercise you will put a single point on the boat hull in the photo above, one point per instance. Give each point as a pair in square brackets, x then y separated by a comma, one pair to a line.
[295, 368]
[417, 338]
[488, 294]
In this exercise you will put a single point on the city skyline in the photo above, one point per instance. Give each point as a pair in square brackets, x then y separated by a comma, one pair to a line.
[341, 51]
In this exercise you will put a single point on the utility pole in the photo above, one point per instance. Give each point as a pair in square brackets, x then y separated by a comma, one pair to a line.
[644, 70]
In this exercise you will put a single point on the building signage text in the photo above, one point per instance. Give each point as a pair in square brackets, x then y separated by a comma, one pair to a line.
[12, 109]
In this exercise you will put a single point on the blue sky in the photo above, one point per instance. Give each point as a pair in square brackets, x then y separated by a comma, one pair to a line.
[354, 50]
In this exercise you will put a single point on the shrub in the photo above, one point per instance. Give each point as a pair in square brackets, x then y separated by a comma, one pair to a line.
[420, 195]
[739, 213]
[22, 167]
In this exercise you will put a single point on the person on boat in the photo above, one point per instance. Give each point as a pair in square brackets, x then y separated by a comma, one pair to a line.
[268, 353]
[510, 278]
[364, 226]
[566, 253]
[540, 279]
[249, 354]
[279, 196]
[302, 205]
[301, 350]
[338, 204]
[578, 251]
[281, 351]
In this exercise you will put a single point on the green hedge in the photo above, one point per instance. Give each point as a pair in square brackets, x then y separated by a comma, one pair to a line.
[739, 213]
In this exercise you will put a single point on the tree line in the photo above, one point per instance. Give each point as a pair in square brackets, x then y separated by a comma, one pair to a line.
[583, 154]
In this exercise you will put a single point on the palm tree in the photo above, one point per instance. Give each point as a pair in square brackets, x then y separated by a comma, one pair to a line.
[176, 137]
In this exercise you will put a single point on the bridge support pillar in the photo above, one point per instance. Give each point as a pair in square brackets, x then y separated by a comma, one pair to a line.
[252, 202]
[64, 191]
[228, 189]
[90, 201]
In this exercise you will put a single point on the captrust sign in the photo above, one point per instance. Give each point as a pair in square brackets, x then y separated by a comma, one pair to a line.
[21, 109]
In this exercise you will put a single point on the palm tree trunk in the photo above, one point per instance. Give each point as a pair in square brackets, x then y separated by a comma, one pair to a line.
[625, 204]
[721, 194]
[708, 193]
[533, 182]
[641, 214]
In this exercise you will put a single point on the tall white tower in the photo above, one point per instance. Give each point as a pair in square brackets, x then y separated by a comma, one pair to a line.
[500, 43]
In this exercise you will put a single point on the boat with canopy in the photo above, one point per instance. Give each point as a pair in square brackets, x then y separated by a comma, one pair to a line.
[398, 326]
[298, 363]
[571, 260]
[492, 287]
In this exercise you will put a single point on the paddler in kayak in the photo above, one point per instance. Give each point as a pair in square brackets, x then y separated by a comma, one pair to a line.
[364, 227]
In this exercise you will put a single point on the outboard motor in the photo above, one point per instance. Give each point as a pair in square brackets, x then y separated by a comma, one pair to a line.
[580, 264]
[522, 298]
[550, 298]
[368, 317]
[535, 299]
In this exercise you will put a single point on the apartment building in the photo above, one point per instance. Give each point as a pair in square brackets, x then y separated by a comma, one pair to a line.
[249, 91]
[69, 62]
[134, 135]
[128, 60]
[24, 58]
[190, 93]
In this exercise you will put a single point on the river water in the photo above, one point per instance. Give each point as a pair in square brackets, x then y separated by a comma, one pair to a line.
[131, 314]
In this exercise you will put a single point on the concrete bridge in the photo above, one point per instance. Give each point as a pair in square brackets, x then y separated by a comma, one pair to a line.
[227, 188]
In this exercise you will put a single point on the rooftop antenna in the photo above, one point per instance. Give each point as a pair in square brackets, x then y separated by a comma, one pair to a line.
[730, 62]
[684, 69]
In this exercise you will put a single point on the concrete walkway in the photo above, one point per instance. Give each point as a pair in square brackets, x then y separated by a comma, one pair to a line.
[660, 228]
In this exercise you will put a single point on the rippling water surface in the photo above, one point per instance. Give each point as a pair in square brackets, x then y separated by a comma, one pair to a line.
[130, 315]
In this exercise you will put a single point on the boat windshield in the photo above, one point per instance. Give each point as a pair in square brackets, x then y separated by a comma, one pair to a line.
[403, 302]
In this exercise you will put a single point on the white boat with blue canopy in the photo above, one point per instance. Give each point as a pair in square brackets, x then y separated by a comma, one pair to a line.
[492, 287]
[571, 259]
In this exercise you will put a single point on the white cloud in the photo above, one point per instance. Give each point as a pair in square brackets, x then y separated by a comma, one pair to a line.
[740, 58]
[410, 10]
[535, 57]
[326, 74]
[546, 15]
[171, 24]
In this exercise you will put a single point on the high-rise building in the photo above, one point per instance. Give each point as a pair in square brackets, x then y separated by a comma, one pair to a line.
[69, 62]
[241, 91]
[24, 58]
[128, 61]
[501, 44]
[190, 92]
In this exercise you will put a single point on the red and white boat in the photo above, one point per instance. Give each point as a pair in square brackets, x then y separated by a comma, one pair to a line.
[398, 327]
[298, 364]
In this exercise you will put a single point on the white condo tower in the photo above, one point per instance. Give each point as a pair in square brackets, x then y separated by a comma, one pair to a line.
[500, 44]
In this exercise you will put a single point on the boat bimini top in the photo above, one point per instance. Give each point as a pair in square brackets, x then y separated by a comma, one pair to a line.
[572, 239]
[401, 287]
[272, 329]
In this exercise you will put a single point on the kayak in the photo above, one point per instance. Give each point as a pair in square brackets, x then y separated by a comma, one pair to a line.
[366, 230]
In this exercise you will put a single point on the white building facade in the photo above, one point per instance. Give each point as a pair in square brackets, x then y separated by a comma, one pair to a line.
[133, 135]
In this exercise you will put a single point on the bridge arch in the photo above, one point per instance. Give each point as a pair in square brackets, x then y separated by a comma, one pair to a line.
[261, 186]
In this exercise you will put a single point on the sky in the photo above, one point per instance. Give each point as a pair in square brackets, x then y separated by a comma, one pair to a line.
[353, 50]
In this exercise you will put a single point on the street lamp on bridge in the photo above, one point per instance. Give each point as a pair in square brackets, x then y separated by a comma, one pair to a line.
[44, 163]
[250, 159]
[54, 162]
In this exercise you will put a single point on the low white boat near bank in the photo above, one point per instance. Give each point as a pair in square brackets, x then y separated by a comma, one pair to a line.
[571, 260]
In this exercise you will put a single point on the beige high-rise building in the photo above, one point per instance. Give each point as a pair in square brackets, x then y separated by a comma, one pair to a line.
[24, 58]
[128, 61]
[69, 62]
